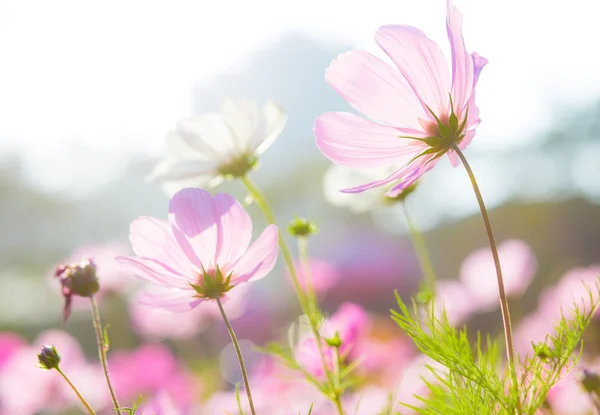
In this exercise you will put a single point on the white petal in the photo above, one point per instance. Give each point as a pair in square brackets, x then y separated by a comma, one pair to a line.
[274, 121]
[243, 118]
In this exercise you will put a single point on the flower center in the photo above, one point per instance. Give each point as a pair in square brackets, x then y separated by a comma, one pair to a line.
[238, 166]
[212, 284]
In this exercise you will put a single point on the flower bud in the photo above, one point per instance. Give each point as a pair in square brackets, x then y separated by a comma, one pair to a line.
[48, 357]
[302, 227]
[77, 279]
[334, 341]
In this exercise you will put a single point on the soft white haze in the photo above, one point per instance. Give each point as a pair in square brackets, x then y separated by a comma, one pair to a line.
[87, 84]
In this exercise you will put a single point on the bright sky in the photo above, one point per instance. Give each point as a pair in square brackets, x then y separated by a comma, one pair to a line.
[100, 80]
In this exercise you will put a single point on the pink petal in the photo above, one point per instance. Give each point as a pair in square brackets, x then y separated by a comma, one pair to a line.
[421, 62]
[463, 80]
[236, 228]
[259, 259]
[173, 300]
[153, 271]
[375, 88]
[153, 238]
[193, 213]
[352, 141]
[414, 172]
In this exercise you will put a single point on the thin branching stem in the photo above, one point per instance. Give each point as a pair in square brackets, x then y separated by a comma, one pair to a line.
[503, 301]
[422, 252]
[83, 401]
[238, 352]
[309, 307]
[102, 352]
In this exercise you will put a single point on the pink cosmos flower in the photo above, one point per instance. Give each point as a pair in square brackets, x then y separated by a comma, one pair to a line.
[200, 253]
[421, 109]
[323, 275]
[477, 272]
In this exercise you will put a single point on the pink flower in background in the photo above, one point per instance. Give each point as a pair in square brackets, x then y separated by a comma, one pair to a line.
[453, 299]
[568, 397]
[150, 370]
[478, 274]
[350, 323]
[10, 343]
[323, 274]
[420, 108]
[202, 251]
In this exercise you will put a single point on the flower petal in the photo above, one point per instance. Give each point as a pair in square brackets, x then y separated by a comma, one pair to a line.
[259, 259]
[375, 88]
[208, 134]
[236, 229]
[173, 170]
[193, 213]
[274, 121]
[153, 271]
[352, 141]
[170, 299]
[152, 238]
[463, 80]
[421, 61]
[243, 118]
[417, 169]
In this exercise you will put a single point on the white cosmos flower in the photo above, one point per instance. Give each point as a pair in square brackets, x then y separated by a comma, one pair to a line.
[201, 150]
[338, 177]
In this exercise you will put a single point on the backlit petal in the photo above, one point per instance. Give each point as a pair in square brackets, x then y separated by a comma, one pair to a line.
[260, 258]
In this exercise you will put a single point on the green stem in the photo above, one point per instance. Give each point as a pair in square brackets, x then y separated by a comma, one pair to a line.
[238, 352]
[421, 251]
[338, 382]
[305, 303]
[102, 353]
[311, 300]
[287, 256]
[83, 401]
[503, 301]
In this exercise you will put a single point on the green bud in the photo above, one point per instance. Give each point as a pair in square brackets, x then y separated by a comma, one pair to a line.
[334, 341]
[543, 351]
[302, 227]
[48, 357]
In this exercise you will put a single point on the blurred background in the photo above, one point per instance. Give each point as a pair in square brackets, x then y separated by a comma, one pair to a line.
[89, 91]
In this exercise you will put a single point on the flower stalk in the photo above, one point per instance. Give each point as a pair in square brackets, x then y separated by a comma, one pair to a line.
[81, 398]
[238, 352]
[102, 349]
[503, 300]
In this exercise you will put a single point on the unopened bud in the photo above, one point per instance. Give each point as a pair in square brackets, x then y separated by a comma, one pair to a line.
[48, 357]
[77, 279]
[302, 227]
[334, 341]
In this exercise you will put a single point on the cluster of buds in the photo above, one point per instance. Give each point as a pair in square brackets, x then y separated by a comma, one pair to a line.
[77, 279]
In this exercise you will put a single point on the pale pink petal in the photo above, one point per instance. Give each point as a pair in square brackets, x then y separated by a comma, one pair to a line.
[259, 259]
[478, 63]
[453, 299]
[421, 62]
[181, 169]
[275, 119]
[173, 300]
[193, 213]
[375, 88]
[236, 229]
[153, 238]
[413, 173]
[462, 64]
[352, 141]
[153, 271]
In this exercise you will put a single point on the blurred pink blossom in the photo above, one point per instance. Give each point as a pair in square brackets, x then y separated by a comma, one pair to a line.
[161, 404]
[420, 107]
[478, 273]
[323, 274]
[568, 397]
[10, 343]
[149, 370]
[453, 298]
[204, 243]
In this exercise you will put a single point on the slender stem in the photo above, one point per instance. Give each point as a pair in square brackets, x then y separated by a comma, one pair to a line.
[305, 303]
[287, 256]
[421, 251]
[83, 401]
[338, 381]
[102, 353]
[503, 301]
[238, 352]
